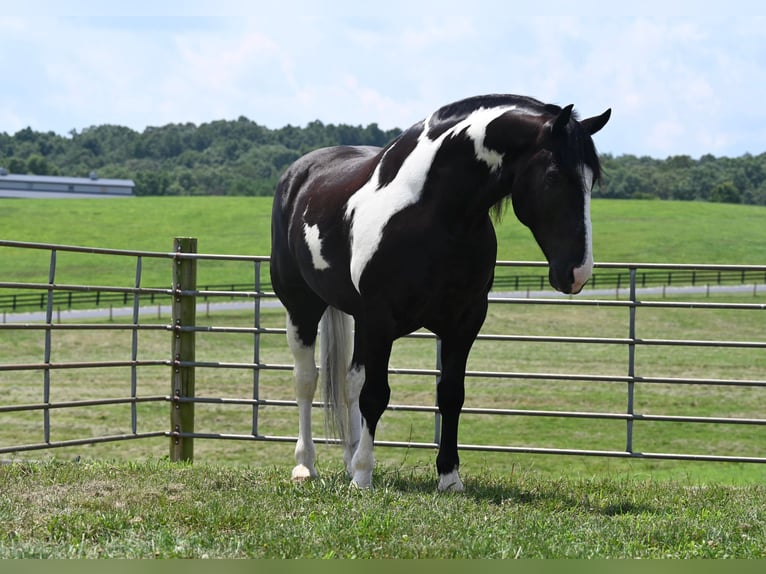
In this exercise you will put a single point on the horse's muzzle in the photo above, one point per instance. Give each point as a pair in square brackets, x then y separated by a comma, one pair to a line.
[569, 280]
[581, 275]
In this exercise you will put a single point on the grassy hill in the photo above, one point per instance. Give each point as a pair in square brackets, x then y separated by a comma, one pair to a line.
[624, 230]
[237, 500]
[649, 231]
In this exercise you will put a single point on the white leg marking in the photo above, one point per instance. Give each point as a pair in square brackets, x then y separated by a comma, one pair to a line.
[314, 243]
[583, 272]
[305, 374]
[450, 482]
[364, 460]
[370, 209]
[355, 381]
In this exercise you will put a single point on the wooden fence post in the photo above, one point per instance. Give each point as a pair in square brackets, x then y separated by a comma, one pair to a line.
[183, 350]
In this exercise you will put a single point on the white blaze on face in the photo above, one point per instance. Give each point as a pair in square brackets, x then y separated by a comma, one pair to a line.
[370, 208]
[583, 272]
[314, 243]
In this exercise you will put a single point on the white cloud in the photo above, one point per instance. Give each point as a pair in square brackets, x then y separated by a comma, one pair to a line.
[679, 80]
[666, 85]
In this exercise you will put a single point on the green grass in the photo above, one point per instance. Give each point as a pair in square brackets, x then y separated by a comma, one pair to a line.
[237, 500]
[161, 510]
[222, 224]
[25, 387]
[624, 230]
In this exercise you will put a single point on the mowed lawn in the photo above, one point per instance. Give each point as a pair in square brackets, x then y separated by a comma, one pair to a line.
[161, 510]
[123, 499]
[649, 231]
[623, 230]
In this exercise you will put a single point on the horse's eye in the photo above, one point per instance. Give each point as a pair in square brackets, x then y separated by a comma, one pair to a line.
[551, 175]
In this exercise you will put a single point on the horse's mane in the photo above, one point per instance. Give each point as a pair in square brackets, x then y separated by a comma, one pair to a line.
[575, 150]
[462, 108]
[570, 152]
[449, 115]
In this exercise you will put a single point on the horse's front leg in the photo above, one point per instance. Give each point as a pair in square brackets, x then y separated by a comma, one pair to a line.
[450, 395]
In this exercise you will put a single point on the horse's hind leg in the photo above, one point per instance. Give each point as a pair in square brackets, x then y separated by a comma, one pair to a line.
[354, 382]
[305, 374]
[373, 400]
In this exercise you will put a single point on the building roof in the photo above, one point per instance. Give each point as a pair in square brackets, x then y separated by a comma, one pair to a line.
[49, 186]
[19, 178]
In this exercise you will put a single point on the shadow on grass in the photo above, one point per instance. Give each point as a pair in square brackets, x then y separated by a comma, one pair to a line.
[597, 496]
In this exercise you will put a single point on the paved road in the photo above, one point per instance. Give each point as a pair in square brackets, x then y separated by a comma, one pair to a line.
[166, 310]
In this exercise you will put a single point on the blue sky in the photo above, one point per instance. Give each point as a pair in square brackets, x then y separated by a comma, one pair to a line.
[681, 77]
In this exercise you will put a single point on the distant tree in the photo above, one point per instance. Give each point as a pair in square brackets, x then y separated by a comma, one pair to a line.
[17, 165]
[725, 192]
[756, 196]
[38, 165]
[241, 157]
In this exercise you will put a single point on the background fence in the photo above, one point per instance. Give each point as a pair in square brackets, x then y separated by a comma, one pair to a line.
[509, 276]
[602, 357]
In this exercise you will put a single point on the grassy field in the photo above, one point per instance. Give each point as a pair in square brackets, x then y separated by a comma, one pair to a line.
[124, 499]
[240, 225]
[25, 387]
[161, 510]
[624, 230]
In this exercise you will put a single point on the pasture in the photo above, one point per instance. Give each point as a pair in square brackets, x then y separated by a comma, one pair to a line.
[665, 231]
[515, 505]
[624, 230]
[532, 357]
[161, 510]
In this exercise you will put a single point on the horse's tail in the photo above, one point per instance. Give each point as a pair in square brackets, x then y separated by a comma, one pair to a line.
[335, 348]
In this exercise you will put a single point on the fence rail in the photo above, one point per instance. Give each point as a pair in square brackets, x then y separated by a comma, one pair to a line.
[34, 296]
[185, 296]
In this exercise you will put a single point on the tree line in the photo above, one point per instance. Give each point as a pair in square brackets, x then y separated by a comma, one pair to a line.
[241, 157]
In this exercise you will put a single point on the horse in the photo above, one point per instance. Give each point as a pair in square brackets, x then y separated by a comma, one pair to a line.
[370, 244]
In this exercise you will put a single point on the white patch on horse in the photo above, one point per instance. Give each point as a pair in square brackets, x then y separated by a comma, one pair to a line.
[305, 374]
[371, 208]
[583, 272]
[450, 482]
[354, 381]
[363, 462]
[314, 243]
[478, 129]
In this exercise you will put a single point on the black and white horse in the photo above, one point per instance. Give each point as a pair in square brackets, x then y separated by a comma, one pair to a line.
[371, 244]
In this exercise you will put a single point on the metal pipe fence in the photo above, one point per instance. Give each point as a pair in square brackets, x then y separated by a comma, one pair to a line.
[24, 297]
[187, 302]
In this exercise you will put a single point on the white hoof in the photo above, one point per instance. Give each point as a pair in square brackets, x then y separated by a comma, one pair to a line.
[302, 472]
[362, 479]
[450, 482]
[348, 458]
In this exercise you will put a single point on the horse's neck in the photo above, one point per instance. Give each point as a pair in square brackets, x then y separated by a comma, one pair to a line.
[468, 193]
[478, 175]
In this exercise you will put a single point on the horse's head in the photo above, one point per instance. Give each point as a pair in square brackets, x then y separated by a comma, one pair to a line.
[551, 195]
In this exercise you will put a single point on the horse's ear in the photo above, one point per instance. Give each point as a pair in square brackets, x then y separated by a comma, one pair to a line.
[594, 124]
[560, 123]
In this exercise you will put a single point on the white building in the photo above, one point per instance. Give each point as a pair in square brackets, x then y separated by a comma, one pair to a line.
[55, 187]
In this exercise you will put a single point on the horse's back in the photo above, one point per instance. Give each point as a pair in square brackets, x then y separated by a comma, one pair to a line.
[310, 198]
[332, 172]
[325, 170]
